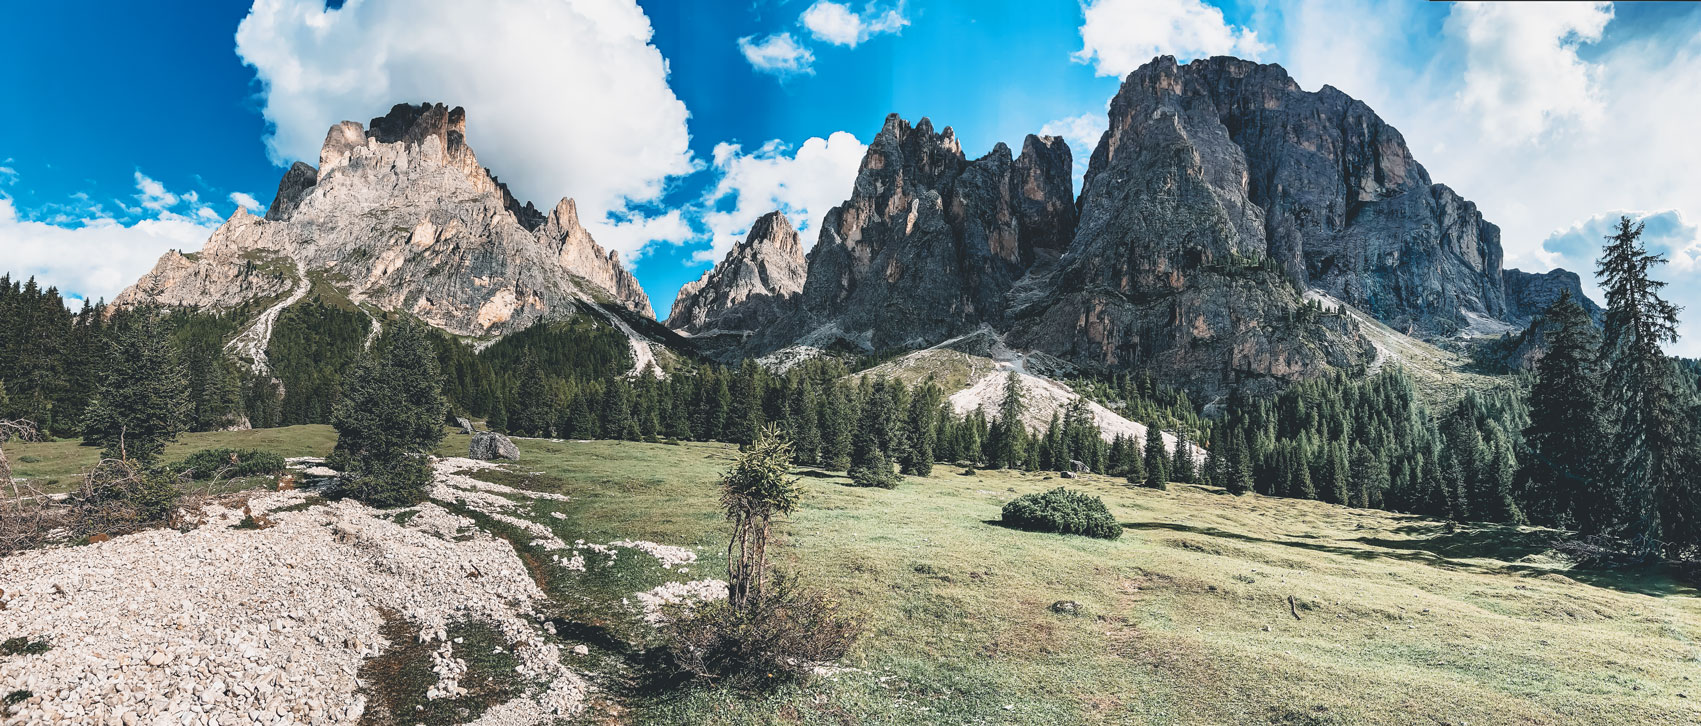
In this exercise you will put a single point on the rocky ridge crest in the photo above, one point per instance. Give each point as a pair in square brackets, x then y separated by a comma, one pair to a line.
[400, 216]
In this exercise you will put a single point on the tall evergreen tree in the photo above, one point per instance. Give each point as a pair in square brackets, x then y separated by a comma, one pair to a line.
[1561, 474]
[143, 399]
[1651, 445]
[1181, 465]
[1157, 458]
[390, 417]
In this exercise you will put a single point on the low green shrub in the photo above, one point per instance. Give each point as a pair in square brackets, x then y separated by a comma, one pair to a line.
[781, 635]
[875, 476]
[1064, 512]
[234, 463]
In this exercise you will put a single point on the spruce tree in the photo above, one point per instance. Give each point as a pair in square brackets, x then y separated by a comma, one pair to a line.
[1369, 477]
[1650, 454]
[1181, 466]
[1237, 466]
[1004, 447]
[142, 402]
[390, 417]
[1334, 488]
[803, 422]
[1563, 481]
[1157, 458]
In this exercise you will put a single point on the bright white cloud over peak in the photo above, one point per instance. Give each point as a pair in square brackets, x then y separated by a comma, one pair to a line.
[1118, 36]
[563, 98]
[836, 23]
[246, 201]
[803, 183]
[1522, 72]
[779, 54]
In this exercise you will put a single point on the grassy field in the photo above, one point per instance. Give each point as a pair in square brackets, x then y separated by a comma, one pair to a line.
[1211, 609]
[56, 464]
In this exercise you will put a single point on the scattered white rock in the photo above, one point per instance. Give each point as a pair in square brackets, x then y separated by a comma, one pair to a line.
[223, 625]
[678, 593]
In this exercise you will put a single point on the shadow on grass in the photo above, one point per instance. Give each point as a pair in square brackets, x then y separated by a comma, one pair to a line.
[1443, 549]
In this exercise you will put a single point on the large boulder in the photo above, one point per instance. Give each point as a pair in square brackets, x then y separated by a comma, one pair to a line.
[490, 446]
[465, 425]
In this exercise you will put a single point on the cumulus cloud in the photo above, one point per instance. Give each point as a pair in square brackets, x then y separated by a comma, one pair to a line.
[1522, 71]
[564, 98]
[246, 201]
[836, 23]
[87, 254]
[153, 195]
[779, 54]
[803, 183]
[1118, 36]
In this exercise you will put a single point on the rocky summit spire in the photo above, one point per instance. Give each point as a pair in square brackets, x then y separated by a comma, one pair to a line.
[929, 243]
[755, 284]
[400, 216]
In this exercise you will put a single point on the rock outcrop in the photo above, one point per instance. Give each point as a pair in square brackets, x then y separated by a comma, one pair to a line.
[756, 283]
[1170, 267]
[401, 216]
[490, 446]
[1341, 205]
[1529, 294]
[929, 243]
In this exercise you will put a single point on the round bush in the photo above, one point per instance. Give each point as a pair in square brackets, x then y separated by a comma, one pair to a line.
[234, 463]
[1064, 512]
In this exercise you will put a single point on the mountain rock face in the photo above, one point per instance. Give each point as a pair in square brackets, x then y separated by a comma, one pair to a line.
[401, 216]
[1341, 205]
[1529, 294]
[929, 243]
[756, 283]
[1170, 267]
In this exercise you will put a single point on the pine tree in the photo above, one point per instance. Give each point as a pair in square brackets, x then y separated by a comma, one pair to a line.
[390, 416]
[838, 417]
[1181, 465]
[1237, 465]
[1651, 446]
[143, 399]
[1157, 459]
[1567, 424]
[1334, 488]
[1004, 446]
[917, 458]
[803, 422]
[1369, 476]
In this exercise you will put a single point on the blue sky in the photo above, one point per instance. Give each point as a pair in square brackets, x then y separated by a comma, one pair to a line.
[136, 127]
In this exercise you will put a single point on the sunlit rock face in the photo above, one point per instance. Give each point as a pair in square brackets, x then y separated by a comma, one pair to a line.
[400, 215]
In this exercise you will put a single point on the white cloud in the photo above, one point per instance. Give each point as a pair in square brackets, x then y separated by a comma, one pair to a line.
[153, 194]
[1082, 132]
[836, 23]
[246, 201]
[779, 54]
[631, 234]
[1522, 72]
[8, 175]
[1121, 35]
[93, 256]
[803, 183]
[564, 98]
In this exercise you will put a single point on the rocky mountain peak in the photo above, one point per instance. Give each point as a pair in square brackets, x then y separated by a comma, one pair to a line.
[755, 284]
[929, 243]
[400, 216]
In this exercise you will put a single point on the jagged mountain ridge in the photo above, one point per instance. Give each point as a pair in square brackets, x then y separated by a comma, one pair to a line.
[400, 216]
[756, 283]
[1219, 192]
